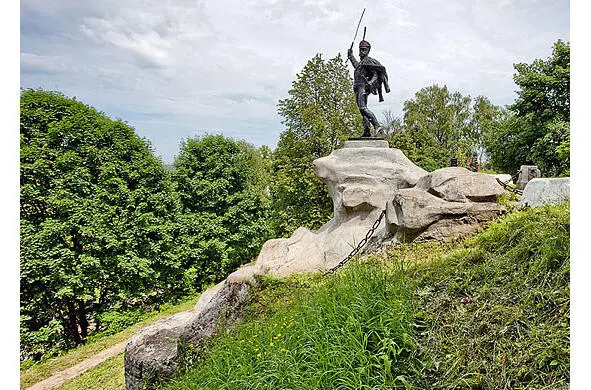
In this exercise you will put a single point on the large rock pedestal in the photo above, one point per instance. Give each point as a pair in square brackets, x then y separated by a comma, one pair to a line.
[363, 178]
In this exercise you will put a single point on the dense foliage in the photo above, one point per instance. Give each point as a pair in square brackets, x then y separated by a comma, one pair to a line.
[489, 313]
[319, 115]
[222, 186]
[107, 232]
[536, 130]
[439, 124]
[95, 227]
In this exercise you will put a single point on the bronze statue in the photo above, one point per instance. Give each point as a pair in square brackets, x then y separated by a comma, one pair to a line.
[368, 78]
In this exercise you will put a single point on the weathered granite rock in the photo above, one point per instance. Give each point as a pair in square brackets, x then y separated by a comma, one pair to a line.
[361, 178]
[152, 355]
[543, 191]
[415, 214]
[456, 184]
[504, 177]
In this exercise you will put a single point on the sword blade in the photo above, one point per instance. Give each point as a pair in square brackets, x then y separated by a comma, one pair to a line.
[357, 30]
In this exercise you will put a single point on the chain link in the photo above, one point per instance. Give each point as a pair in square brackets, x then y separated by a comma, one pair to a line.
[359, 246]
[506, 186]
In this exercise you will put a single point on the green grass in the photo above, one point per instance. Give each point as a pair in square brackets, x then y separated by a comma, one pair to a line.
[106, 376]
[514, 332]
[490, 312]
[340, 332]
[46, 368]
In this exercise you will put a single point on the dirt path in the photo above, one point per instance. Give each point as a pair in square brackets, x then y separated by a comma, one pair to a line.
[58, 379]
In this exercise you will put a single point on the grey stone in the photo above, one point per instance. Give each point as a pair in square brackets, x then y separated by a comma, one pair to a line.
[526, 173]
[367, 143]
[455, 184]
[361, 178]
[543, 191]
[152, 355]
[415, 214]
[504, 177]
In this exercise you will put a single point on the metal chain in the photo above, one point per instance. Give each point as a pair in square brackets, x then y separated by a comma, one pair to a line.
[360, 246]
[375, 225]
[505, 184]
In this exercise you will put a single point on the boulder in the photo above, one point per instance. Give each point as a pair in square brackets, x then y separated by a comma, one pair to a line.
[455, 184]
[361, 178]
[152, 355]
[527, 173]
[415, 214]
[542, 191]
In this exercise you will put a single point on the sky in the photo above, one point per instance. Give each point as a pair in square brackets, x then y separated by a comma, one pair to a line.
[177, 69]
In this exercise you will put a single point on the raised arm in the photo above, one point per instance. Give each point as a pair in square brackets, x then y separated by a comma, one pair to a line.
[352, 58]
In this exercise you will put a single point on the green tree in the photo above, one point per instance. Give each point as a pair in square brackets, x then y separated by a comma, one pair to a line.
[319, 115]
[95, 229]
[539, 130]
[222, 185]
[439, 124]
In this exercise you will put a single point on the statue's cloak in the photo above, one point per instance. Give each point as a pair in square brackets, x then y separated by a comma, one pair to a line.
[376, 88]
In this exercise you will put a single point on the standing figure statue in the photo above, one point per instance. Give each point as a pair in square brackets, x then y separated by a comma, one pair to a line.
[368, 78]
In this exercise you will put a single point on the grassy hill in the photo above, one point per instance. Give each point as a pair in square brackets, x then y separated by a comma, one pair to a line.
[490, 312]
[487, 312]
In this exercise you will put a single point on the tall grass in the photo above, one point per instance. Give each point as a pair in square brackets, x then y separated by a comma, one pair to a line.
[496, 312]
[345, 332]
[491, 312]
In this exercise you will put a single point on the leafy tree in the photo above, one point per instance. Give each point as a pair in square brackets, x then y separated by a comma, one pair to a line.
[95, 229]
[222, 185]
[439, 124]
[539, 131]
[319, 115]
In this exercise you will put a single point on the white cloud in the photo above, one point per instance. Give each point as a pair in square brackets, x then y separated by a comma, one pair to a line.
[223, 65]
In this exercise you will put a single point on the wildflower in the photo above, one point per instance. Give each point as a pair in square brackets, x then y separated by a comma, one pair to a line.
[259, 355]
[466, 300]
[271, 344]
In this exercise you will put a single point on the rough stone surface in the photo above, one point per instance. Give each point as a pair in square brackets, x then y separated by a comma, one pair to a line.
[527, 173]
[365, 143]
[152, 355]
[415, 214]
[455, 184]
[543, 191]
[504, 177]
[361, 178]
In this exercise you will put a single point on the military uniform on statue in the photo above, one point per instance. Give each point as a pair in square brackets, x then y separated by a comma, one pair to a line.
[368, 78]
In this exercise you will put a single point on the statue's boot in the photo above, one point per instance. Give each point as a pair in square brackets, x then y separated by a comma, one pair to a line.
[366, 127]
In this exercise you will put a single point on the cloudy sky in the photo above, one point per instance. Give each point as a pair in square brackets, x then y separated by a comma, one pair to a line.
[175, 69]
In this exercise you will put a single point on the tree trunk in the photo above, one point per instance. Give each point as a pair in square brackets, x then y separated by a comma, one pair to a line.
[82, 321]
[71, 323]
